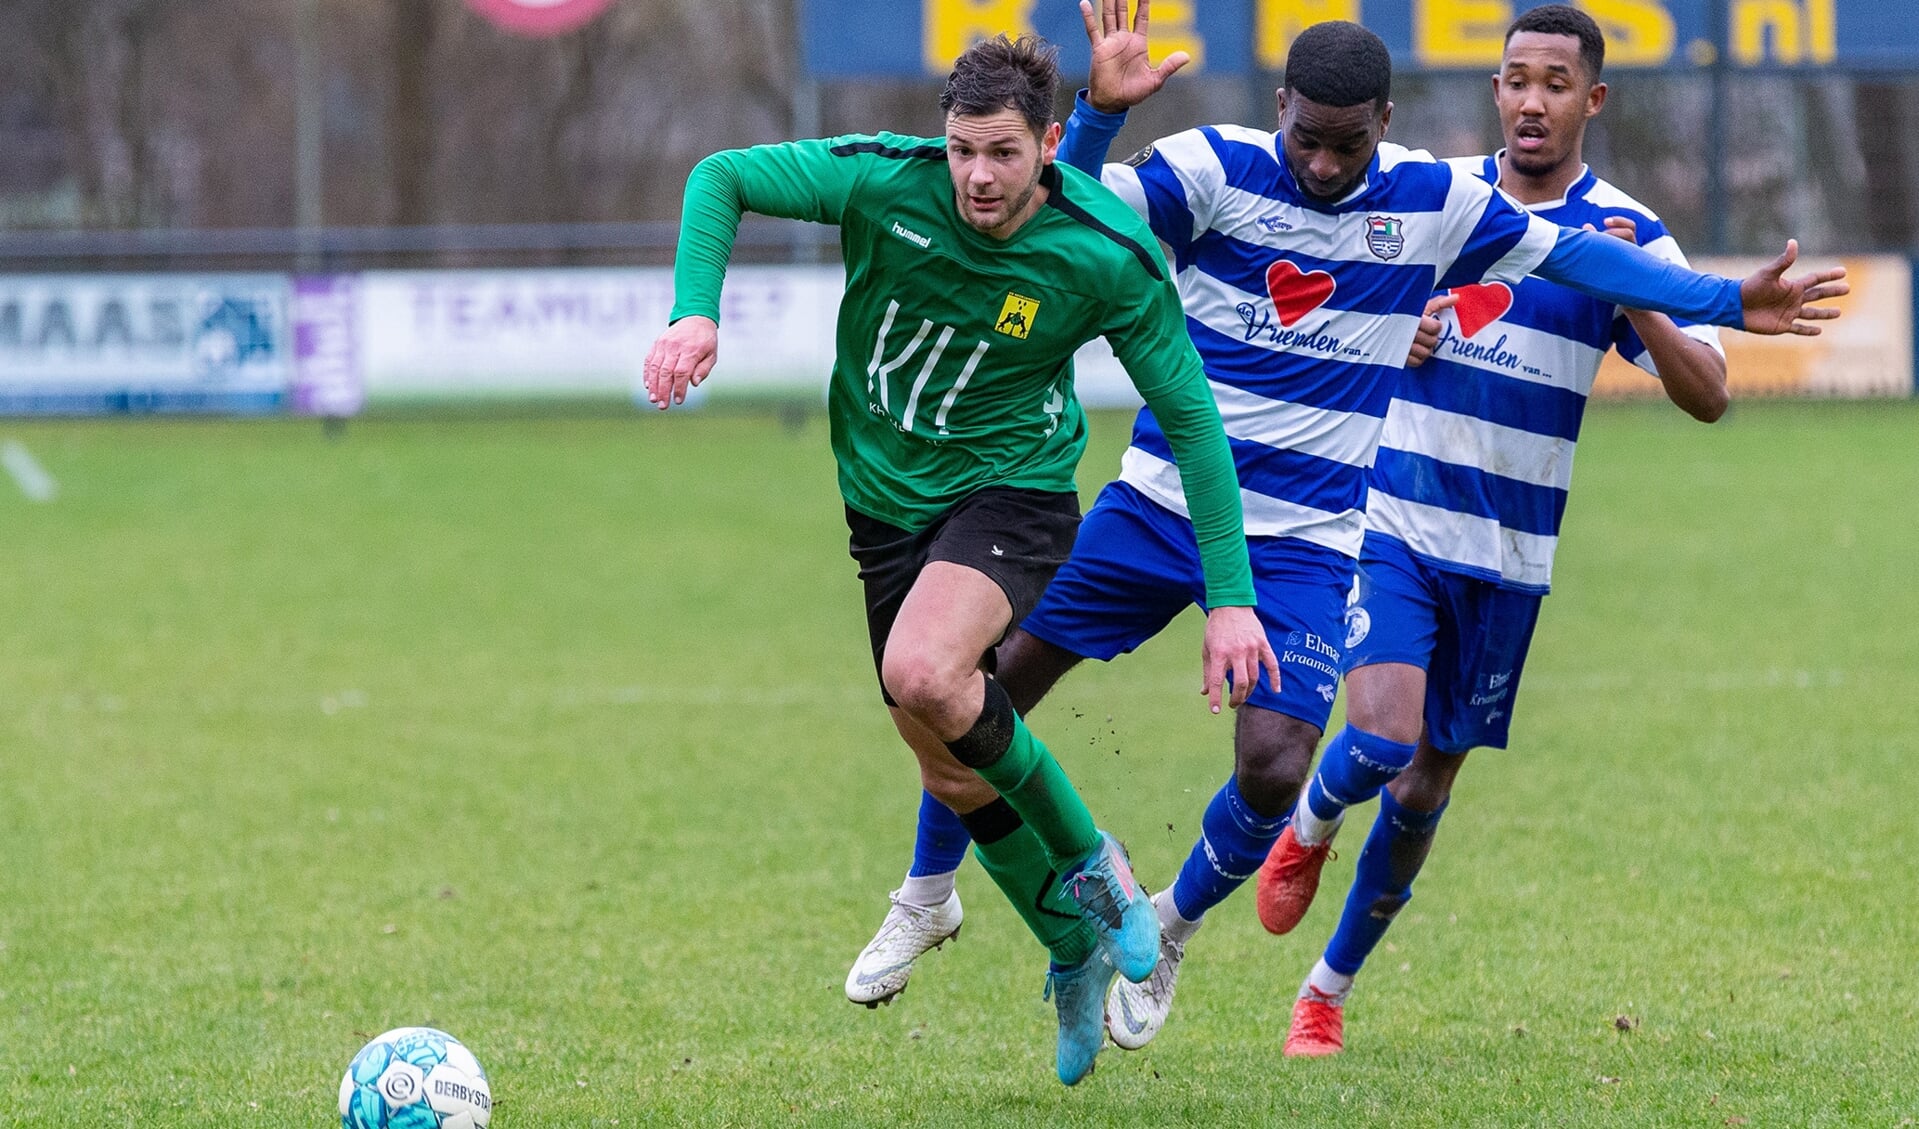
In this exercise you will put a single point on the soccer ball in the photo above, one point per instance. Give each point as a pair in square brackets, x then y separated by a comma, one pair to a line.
[415, 1078]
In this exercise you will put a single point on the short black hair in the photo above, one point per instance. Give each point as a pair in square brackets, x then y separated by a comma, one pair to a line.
[1337, 63]
[1564, 19]
[1000, 74]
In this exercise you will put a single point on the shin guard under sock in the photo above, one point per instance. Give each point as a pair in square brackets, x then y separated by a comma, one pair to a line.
[1233, 840]
[1355, 766]
[1383, 883]
[1012, 855]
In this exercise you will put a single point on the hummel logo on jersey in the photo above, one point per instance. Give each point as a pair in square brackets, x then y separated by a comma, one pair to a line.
[1385, 236]
[998, 552]
[911, 236]
[1273, 225]
[1016, 316]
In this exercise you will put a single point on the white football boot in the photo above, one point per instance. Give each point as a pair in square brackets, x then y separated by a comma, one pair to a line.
[1136, 1012]
[909, 931]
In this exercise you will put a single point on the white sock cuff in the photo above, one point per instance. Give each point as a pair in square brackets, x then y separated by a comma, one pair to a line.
[929, 890]
[1326, 982]
[1170, 922]
[1308, 829]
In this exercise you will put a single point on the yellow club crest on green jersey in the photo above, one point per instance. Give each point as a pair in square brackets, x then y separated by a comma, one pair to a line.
[1016, 316]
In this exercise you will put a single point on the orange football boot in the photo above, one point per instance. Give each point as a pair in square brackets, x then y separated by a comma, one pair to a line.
[1288, 879]
[1319, 1026]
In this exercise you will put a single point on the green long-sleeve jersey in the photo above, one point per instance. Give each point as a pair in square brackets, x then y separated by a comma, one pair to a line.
[954, 351]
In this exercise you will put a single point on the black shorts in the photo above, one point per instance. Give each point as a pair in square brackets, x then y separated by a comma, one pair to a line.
[1017, 537]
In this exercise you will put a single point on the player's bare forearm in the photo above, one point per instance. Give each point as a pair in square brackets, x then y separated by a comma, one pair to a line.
[1693, 373]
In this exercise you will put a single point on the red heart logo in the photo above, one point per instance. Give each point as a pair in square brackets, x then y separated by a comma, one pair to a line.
[1481, 304]
[1296, 293]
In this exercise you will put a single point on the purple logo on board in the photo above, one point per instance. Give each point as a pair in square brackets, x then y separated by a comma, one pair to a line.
[326, 356]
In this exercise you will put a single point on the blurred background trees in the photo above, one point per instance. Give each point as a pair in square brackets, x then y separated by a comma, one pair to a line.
[183, 113]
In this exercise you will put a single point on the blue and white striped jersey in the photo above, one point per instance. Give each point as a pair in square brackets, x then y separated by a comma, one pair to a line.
[1477, 454]
[1304, 312]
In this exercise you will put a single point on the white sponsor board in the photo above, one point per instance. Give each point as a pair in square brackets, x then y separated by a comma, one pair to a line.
[230, 342]
[564, 331]
[143, 342]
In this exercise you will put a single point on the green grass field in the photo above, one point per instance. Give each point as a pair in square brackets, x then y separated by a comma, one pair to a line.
[560, 735]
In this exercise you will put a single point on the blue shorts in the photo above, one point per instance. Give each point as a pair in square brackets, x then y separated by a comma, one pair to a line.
[1470, 637]
[1136, 565]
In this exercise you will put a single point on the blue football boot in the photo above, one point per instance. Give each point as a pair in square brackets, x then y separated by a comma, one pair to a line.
[1078, 993]
[1101, 887]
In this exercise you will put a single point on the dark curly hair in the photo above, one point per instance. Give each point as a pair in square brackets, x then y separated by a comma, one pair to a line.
[999, 74]
[1337, 63]
[1564, 19]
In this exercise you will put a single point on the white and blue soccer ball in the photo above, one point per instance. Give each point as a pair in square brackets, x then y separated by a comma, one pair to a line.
[415, 1078]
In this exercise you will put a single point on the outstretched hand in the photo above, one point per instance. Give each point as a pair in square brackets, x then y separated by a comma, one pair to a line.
[1776, 304]
[680, 358]
[1122, 77]
[1235, 644]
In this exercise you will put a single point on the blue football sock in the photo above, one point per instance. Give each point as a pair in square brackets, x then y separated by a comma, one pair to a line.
[1233, 841]
[942, 841]
[1356, 765]
[1394, 852]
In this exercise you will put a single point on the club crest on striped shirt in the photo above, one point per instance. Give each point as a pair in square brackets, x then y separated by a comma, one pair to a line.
[1385, 237]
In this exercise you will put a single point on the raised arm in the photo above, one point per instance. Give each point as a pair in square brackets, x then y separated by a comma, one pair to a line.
[1122, 76]
[1089, 134]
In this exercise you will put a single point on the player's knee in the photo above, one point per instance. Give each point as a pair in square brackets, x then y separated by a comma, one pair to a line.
[924, 687]
[1271, 773]
[1270, 788]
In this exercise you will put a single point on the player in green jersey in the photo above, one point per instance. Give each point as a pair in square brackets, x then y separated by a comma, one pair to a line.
[975, 268]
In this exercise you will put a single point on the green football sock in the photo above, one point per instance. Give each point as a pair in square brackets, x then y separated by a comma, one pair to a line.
[1018, 865]
[1035, 785]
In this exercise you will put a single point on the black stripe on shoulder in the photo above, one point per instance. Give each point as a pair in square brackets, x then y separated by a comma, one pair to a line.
[1057, 199]
[922, 152]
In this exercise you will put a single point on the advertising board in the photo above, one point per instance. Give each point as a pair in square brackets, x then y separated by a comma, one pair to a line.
[101, 343]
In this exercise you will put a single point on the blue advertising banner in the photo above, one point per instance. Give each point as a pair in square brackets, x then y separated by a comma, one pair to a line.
[118, 343]
[916, 38]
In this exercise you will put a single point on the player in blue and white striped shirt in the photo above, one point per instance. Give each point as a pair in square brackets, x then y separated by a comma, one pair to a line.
[1304, 275]
[1305, 259]
[1464, 512]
